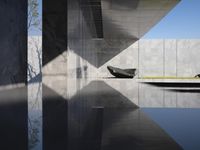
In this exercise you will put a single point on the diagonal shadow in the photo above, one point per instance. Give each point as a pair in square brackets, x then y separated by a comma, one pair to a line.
[105, 122]
[54, 27]
[82, 42]
[134, 130]
[98, 93]
[83, 24]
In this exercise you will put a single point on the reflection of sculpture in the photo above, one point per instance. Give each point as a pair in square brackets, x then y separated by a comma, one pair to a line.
[122, 73]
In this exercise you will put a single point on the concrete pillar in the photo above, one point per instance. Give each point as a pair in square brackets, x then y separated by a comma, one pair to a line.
[13, 41]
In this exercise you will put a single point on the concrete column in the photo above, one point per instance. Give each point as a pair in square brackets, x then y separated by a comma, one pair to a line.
[13, 42]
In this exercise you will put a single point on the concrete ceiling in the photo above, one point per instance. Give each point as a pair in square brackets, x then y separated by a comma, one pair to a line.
[108, 27]
[132, 18]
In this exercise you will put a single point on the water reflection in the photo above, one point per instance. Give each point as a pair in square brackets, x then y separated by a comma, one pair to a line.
[99, 117]
[104, 114]
[169, 95]
[181, 124]
[55, 115]
[35, 116]
[13, 119]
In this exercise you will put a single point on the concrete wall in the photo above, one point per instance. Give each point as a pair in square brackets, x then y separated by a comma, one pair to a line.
[169, 57]
[152, 57]
[88, 57]
[86, 54]
[13, 41]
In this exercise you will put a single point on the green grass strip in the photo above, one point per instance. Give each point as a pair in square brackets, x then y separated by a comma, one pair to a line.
[169, 77]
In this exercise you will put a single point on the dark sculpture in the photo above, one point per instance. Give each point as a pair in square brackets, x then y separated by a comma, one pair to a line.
[122, 73]
[197, 76]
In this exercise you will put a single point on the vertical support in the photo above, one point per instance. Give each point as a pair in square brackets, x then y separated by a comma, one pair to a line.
[13, 72]
[55, 108]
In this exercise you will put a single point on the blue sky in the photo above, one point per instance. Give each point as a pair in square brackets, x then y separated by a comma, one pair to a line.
[181, 22]
[34, 31]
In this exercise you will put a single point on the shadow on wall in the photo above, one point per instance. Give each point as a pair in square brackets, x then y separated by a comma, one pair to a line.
[54, 29]
[79, 29]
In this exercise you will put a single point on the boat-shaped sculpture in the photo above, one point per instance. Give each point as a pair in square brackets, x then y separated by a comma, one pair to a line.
[122, 73]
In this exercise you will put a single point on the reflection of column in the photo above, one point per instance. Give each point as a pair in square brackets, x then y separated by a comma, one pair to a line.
[163, 57]
[164, 98]
[55, 120]
[55, 44]
[92, 135]
[35, 116]
[176, 58]
[13, 119]
[139, 59]
[176, 100]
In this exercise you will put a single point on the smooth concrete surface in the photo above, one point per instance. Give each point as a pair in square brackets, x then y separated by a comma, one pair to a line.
[151, 58]
[187, 50]
[13, 42]
[121, 23]
[159, 58]
[83, 106]
[170, 59]
[132, 19]
[173, 57]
